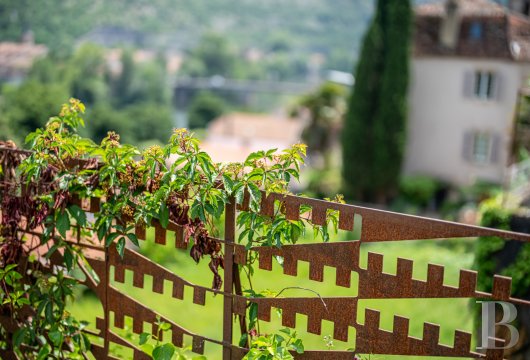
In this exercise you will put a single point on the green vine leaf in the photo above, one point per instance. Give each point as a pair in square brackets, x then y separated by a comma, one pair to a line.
[133, 238]
[164, 352]
[68, 258]
[144, 337]
[78, 214]
[56, 337]
[239, 193]
[63, 223]
[18, 337]
[298, 346]
[255, 196]
[120, 246]
[110, 238]
[228, 184]
[164, 215]
[43, 352]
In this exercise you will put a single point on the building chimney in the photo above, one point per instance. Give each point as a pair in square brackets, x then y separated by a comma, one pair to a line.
[450, 27]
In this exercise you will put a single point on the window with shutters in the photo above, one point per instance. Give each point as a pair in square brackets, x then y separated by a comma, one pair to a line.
[484, 84]
[481, 147]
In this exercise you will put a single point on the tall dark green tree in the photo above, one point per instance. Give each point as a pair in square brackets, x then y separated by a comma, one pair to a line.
[374, 131]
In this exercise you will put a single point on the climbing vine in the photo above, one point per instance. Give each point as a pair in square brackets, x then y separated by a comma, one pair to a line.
[176, 183]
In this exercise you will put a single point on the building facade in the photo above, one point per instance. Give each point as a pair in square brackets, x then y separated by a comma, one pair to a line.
[16, 58]
[471, 57]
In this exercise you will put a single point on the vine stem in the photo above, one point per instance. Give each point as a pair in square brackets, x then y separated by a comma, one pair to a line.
[302, 288]
[238, 290]
[249, 278]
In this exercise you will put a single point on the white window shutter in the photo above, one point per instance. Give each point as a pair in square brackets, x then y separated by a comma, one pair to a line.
[467, 146]
[469, 84]
[495, 148]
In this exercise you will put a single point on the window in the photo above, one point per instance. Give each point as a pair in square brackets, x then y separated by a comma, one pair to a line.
[483, 85]
[481, 147]
[475, 31]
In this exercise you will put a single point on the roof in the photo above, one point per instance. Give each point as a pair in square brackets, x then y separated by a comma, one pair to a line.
[502, 34]
[482, 8]
[232, 137]
[16, 57]
[256, 126]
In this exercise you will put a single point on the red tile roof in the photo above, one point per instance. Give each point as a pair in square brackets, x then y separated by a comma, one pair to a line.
[18, 57]
[484, 8]
[256, 126]
[233, 136]
[503, 34]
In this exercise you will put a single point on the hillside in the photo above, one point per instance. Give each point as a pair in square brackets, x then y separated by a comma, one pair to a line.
[331, 27]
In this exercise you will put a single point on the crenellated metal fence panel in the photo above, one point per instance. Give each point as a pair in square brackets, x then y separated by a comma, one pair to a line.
[344, 256]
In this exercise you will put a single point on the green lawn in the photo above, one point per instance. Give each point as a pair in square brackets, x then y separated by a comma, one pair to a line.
[451, 314]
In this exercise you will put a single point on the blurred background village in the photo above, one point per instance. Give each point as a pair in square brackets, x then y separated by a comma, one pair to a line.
[274, 73]
[428, 114]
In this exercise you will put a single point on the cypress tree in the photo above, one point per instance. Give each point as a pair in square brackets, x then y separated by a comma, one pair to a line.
[357, 131]
[374, 130]
[391, 116]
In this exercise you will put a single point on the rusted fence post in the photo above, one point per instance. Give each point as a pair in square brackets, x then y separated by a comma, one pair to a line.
[105, 301]
[230, 234]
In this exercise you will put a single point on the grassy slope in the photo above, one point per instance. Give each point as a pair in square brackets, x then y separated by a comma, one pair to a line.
[451, 314]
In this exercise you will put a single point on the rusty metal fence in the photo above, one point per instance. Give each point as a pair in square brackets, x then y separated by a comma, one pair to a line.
[344, 257]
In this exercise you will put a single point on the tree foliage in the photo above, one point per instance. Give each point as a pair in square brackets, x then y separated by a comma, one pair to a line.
[56, 23]
[122, 84]
[205, 108]
[25, 108]
[134, 102]
[85, 72]
[325, 107]
[493, 254]
[374, 131]
[214, 55]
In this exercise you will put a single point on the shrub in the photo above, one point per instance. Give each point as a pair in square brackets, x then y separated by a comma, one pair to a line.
[205, 108]
[418, 190]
